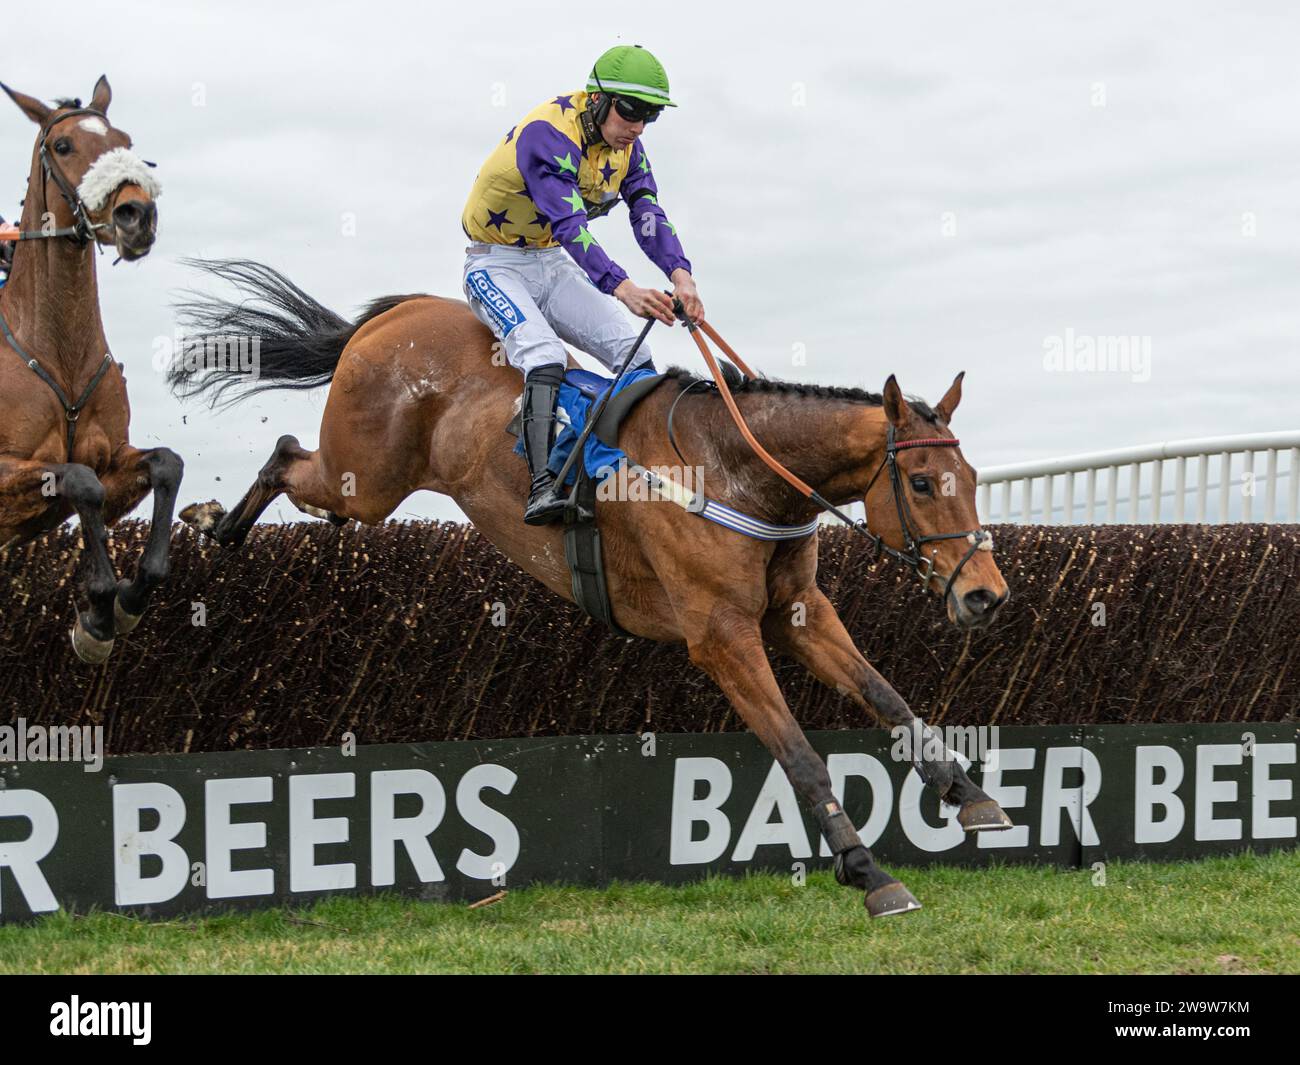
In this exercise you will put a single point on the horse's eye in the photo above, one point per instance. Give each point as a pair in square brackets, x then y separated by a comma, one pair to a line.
[62, 146]
[921, 485]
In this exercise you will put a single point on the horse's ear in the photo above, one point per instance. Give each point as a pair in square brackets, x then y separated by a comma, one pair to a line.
[896, 408]
[102, 96]
[950, 399]
[31, 107]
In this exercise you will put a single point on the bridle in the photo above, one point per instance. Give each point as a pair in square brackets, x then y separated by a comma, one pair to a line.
[913, 543]
[82, 230]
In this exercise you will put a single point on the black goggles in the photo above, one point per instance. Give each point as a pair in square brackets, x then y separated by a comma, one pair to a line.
[636, 110]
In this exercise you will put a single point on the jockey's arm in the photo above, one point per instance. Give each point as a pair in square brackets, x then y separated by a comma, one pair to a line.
[548, 162]
[656, 235]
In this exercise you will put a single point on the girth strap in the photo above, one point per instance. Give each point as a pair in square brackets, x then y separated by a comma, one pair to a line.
[72, 411]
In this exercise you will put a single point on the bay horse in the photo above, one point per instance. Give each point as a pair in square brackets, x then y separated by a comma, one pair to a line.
[64, 415]
[417, 401]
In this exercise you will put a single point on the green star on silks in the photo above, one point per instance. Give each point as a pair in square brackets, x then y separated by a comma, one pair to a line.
[585, 239]
[644, 165]
[566, 163]
[650, 198]
[575, 201]
[672, 228]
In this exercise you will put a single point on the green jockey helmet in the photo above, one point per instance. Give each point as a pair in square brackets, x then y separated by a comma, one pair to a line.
[629, 70]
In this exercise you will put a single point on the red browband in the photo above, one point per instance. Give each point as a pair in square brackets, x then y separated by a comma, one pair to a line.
[935, 441]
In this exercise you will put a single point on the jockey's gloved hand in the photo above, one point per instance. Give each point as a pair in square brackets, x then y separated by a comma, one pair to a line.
[645, 302]
[684, 290]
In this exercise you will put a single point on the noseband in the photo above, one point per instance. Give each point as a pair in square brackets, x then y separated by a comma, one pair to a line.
[913, 543]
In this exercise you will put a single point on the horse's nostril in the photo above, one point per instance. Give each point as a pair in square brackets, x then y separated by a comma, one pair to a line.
[980, 601]
[132, 215]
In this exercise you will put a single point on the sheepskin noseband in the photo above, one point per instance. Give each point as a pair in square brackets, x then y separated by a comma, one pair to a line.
[112, 170]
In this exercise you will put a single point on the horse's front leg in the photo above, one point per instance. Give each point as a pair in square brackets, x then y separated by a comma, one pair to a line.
[133, 475]
[728, 645]
[820, 641]
[28, 491]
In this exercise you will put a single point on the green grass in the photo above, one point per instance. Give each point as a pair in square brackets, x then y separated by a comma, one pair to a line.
[1213, 916]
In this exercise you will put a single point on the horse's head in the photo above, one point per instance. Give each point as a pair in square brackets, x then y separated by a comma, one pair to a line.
[86, 177]
[921, 502]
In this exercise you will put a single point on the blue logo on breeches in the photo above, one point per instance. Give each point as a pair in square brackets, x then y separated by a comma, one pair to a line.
[498, 304]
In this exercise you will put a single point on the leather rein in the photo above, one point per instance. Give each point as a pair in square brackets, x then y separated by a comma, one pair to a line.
[913, 543]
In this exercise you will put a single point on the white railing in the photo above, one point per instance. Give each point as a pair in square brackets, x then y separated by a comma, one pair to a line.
[1148, 497]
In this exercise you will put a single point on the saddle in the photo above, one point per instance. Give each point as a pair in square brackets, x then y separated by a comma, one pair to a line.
[582, 550]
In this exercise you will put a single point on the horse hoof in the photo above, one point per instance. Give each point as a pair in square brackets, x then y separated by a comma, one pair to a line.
[203, 517]
[87, 648]
[122, 621]
[983, 816]
[890, 900]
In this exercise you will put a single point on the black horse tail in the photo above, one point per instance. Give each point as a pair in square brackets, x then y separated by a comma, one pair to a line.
[273, 336]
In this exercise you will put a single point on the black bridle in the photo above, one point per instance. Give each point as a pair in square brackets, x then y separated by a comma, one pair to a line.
[913, 543]
[82, 230]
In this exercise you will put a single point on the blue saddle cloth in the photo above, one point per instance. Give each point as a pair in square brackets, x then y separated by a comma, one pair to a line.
[579, 393]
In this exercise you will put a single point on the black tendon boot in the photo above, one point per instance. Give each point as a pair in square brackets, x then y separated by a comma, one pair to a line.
[541, 394]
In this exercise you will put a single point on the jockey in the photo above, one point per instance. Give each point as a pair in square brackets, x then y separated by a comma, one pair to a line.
[536, 276]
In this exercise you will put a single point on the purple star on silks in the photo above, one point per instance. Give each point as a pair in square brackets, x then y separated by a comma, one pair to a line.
[497, 219]
[541, 220]
[607, 171]
[511, 135]
[521, 243]
[566, 104]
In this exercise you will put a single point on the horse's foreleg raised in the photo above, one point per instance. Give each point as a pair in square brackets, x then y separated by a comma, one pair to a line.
[134, 475]
[815, 636]
[729, 647]
[28, 491]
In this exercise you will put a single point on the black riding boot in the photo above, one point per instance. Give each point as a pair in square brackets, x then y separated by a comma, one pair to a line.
[541, 395]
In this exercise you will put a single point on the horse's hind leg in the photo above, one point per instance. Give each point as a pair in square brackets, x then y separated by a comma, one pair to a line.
[822, 644]
[729, 647]
[290, 466]
[135, 475]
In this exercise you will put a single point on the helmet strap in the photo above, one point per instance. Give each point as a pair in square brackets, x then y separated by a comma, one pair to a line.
[602, 105]
[591, 123]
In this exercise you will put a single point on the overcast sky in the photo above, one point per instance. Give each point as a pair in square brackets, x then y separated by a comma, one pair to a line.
[868, 187]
